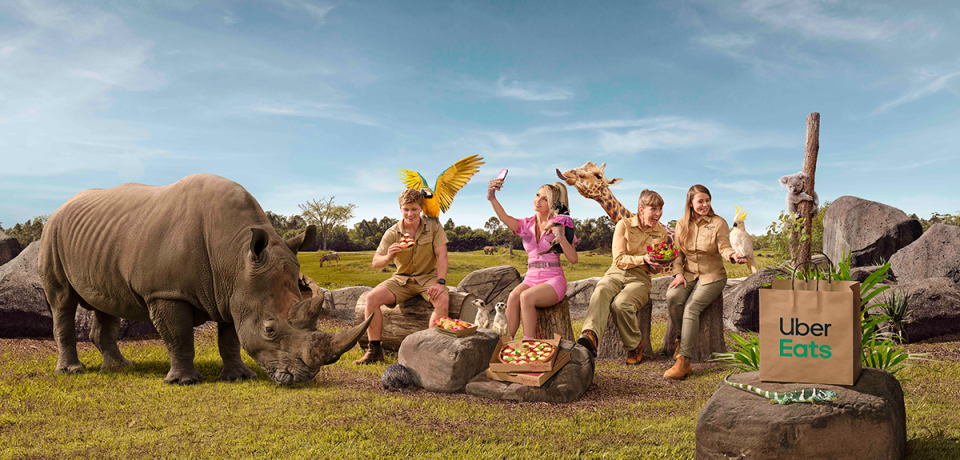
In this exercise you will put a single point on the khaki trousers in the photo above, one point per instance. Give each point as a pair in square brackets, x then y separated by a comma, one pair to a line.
[622, 292]
[685, 305]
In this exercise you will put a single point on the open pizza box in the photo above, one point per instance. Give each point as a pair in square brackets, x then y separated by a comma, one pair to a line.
[497, 366]
[532, 379]
[460, 333]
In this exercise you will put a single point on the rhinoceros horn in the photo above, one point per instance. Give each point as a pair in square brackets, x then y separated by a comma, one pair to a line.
[304, 314]
[327, 347]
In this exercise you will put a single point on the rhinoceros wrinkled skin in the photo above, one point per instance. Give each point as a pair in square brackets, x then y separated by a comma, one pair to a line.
[179, 255]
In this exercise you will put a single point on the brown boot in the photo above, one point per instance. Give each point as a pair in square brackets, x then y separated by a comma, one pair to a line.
[680, 370]
[589, 341]
[676, 349]
[374, 354]
[636, 355]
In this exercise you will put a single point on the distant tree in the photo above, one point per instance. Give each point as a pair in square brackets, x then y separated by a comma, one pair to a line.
[937, 218]
[492, 224]
[449, 225]
[367, 233]
[28, 232]
[672, 224]
[326, 215]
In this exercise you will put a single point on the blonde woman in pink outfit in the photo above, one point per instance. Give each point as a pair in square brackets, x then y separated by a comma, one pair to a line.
[544, 284]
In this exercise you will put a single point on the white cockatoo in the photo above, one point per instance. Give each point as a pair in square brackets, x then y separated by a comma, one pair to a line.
[741, 241]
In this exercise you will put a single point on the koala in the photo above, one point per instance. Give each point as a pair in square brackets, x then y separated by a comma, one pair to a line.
[483, 314]
[500, 320]
[796, 194]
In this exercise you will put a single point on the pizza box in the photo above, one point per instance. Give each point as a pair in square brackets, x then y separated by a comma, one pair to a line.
[531, 379]
[460, 333]
[497, 366]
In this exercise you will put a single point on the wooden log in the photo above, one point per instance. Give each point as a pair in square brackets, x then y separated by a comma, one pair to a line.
[709, 337]
[611, 347]
[408, 317]
[555, 320]
[800, 249]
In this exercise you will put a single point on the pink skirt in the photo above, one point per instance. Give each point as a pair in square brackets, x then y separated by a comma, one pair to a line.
[550, 275]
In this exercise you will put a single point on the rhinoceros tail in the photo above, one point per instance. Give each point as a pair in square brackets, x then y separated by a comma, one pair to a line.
[329, 347]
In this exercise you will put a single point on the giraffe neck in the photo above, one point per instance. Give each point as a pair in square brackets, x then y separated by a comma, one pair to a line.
[612, 206]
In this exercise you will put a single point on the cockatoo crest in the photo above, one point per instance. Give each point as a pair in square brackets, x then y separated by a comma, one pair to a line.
[740, 214]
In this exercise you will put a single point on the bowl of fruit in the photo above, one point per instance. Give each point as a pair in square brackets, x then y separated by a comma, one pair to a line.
[527, 352]
[664, 253]
[454, 327]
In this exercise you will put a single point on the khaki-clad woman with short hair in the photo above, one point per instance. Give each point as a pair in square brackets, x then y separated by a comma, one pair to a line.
[704, 242]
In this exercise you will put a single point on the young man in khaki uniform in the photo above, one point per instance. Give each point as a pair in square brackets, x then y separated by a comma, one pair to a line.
[421, 269]
[625, 287]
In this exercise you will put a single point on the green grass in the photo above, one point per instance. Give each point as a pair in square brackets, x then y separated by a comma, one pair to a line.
[630, 412]
[354, 268]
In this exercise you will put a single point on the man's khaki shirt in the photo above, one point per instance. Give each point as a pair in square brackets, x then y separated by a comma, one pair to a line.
[630, 243]
[707, 246]
[420, 260]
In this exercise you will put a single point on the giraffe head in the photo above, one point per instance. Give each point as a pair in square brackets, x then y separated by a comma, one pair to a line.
[589, 180]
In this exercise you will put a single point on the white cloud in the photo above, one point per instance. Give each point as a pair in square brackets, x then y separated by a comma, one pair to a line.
[749, 186]
[810, 19]
[336, 112]
[727, 41]
[674, 133]
[531, 91]
[924, 89]
[316, 10]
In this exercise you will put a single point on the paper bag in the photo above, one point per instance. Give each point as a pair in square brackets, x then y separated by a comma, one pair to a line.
[810, 332]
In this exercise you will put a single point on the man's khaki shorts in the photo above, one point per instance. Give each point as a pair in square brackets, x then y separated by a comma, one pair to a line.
[408, 291]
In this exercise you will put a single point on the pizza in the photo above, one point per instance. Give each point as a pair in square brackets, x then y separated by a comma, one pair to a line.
[527, 352]
[406, 241]
[451, 324]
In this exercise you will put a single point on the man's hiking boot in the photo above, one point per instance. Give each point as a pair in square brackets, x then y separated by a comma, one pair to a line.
[373, 355]
[589, 341]
[636, 355]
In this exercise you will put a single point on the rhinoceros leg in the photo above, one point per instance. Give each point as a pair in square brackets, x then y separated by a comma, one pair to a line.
[174, 321]
[229, 344]
[63, 302]
[103, 334]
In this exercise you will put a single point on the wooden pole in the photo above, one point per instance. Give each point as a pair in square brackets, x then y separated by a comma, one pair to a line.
[811, 150]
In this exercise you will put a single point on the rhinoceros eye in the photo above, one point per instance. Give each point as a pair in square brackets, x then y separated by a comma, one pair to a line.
[270, 329]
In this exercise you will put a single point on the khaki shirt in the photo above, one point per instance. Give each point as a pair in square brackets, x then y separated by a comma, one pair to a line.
[630, 243]
[420, 260]
[708, 245]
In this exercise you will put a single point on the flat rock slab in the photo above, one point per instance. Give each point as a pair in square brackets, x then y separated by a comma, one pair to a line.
[567, 385]
[443, 363]
[867, 421]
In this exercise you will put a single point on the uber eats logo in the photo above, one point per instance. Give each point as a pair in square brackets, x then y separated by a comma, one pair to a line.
[803, 350]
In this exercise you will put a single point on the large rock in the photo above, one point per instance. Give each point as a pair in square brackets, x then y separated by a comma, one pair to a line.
[492, 284]
[658, 293]
[9, 248]
[935, 254]
[128, 328]
[934, 304]
[444, 364]
[24, 311]
[569, 384]
[741, 310]
[25, 262]
[578, 294]
[867, 421]
[345, 300]
[870, 231]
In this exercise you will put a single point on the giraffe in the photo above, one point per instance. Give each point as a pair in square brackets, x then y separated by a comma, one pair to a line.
[592, 184]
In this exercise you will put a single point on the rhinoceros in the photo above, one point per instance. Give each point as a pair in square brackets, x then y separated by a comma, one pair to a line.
[179, 255]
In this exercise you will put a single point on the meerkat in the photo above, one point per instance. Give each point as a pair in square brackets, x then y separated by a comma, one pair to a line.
[483, 314]
[396, 377]
[500, 320]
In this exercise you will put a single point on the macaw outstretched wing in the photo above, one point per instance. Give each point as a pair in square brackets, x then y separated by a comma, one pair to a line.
[454, 178]
[412, 179]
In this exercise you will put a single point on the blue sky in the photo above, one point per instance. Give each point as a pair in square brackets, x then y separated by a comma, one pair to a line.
[298, 100]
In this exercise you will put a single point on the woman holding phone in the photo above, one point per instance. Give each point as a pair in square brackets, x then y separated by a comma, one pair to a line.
[703, 238]
[544, 284]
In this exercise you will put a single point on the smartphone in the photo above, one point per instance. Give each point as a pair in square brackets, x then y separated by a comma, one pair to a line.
[501, 176]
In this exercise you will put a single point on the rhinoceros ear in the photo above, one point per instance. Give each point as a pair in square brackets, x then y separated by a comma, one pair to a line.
[303, 240]
[258, 243]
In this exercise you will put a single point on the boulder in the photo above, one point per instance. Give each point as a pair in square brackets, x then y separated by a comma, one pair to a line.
[870, 231]
[861, 274]
[935, 254]
[491, 285]
[742, 304]
[867, 421]
[569, 384]
[25, 262]
[578, 294]
[345, 299]
[443, 363]
[128, 328]
[934, 304]
[658, 293]
[24, 311]
[9, 248]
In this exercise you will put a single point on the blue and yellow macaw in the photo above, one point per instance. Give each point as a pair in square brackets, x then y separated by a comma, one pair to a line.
[450, 182]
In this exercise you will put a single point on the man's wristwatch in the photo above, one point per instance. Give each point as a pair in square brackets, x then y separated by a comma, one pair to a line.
[442, 281]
